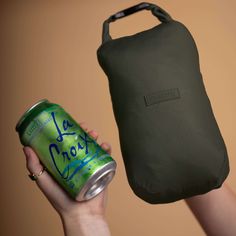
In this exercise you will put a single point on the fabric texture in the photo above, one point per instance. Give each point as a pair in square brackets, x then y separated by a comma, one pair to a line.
[171, 144]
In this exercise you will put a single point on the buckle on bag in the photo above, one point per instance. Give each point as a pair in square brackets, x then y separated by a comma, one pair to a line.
[130, 10]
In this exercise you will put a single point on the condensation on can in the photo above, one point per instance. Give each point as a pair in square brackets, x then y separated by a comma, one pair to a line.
[68, 152]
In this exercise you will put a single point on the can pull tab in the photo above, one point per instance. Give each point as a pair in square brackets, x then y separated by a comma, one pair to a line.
[130, 10]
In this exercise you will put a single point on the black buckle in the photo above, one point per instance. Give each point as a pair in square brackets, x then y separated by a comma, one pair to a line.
[130, 10]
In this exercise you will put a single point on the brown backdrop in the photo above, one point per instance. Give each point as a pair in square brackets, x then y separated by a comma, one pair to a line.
[48, 50]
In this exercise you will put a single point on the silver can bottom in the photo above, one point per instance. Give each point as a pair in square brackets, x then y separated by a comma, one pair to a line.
[97, 182]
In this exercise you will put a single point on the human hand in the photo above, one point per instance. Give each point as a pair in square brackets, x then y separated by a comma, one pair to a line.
[72, 213]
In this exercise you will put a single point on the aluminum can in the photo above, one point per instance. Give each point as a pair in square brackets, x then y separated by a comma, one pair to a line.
[69, 153]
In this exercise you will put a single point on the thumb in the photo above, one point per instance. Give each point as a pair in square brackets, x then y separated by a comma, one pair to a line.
[51, 189]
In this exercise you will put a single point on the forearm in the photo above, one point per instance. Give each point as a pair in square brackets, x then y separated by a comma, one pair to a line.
[86, 226]
[215, 211]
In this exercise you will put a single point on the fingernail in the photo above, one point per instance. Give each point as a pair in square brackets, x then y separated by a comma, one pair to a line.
[105, 146]
[94, 132]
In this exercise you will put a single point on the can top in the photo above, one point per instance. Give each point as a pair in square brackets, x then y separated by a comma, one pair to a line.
[37, 107]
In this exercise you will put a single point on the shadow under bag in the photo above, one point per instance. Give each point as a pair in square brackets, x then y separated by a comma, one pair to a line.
[170, 141]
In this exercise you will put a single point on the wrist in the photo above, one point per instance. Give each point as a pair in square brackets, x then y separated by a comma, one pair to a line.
[85, 225]
[80, 219]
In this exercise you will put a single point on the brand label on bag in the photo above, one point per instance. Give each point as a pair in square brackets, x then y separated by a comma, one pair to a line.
[161, 96]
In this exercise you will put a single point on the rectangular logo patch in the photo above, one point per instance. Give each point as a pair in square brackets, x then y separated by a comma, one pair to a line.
[161, 96]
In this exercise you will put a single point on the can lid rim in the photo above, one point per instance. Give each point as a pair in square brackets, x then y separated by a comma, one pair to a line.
[22, 118]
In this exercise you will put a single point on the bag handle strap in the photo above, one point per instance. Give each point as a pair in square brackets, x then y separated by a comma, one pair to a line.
[162, 15]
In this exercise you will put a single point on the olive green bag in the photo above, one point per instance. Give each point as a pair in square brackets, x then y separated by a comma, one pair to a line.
[170, 141]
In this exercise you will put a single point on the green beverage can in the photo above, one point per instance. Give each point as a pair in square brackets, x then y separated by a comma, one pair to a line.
[69, 153]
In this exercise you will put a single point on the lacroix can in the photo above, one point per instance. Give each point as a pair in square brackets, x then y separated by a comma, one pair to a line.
[68, 152]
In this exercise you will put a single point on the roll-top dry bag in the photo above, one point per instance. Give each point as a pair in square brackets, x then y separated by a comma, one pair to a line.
[170, 141]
